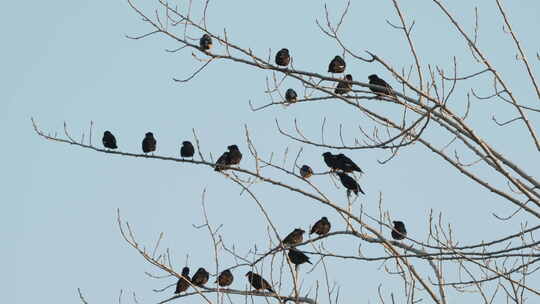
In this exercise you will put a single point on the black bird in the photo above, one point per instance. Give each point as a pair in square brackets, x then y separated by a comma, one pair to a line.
[109, 141]
[183, 284]
[330, 160]
[337, 65]
[374, 79]
[290, 95]
[306, 171]
[222, 161]
[295, 237]
[187, 149]
[346, 164]
[258, 282]
[205, 43]
[344, 87]
[200, 277]
[225, 278]
[349, 183]
[149, 143]
[399, 232]
[297, 257]
[235, 156]
[321, 227]
[283, 58]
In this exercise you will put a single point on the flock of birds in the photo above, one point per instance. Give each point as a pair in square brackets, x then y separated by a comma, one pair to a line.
[339, 164]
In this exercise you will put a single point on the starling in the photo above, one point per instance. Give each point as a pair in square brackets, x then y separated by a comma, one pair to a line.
[330, 160]
[187, 149]
[283, 58]
[109, 141]
[337, 65]
[234, 155]
[222, 161]
[399, 232]
[346, 164]
[295, 237]
[349, 183]
[344, 87]
[225, 278]
[297, 257]
[306, 171]
[149, 143]
[290, 95]
[374, 79]
[183, 284]
[205, 43]
[258, 282]
[200, 277]
[321, 227]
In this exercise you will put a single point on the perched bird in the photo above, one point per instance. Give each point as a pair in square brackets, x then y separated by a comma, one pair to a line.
[258, 282]
[283, 58]
[330, 160]
[225, 278]
[222, 161]
[290, 95]
[306, 171]
[321, 227]
[337, 65]
[234, 155]
[346, 164]
[374, 79]
[399, 232]
[187, 149]
[109, 141]
[349, 183]
[344, 87]
[295, 237]
[205, 43]
[200, 277]
[149, 143]
[297, 257]
[183, 284]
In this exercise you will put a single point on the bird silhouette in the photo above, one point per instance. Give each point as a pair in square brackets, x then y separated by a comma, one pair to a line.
[306, 171]
[225, 278]
[183, 283]
[337, 65]
[283, 58]
[205, 43]
[200, 277]
[349, 183]
[297, 257]
[149, 143]
[295, 237]
[346, 164]
[399, 232]
[235, 156]
[290, 95]
[187, 149]
[345, 86]
[321, 227]
[109, 141]
[258, 282]
[374, 79]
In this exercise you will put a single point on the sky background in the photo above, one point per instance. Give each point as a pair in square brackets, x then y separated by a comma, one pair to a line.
[69, 61]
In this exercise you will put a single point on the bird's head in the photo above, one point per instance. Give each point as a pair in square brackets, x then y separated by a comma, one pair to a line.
[327, 154]
[149, 134]
[397, 223]
[324, 218]
[249, 273]
[338, 58]
[186, 143]
[233, 148]
[373, 77]
[285, 51]
[299, 230]
[348, 77]
[108, 132]
[185, 271]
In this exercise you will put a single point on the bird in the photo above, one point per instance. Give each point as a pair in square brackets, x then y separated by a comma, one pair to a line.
[346, 164]
[200, 277]
[183, 282]
[399, 232]
[222, 161]
[321, 227]
[187, 149]
[344, 86]
[297, 257]
[205, 43]
[337, 65]
[290, 95]
[225, 278]
[306, 171]
[295, 237]
[109, 141]
[374, 79]
[235, 156]
[330, 160]
[283, 58]
[349, 183]
[149, 143]
[258, 282]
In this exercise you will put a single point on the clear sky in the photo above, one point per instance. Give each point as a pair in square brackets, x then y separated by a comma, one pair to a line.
[69, 61]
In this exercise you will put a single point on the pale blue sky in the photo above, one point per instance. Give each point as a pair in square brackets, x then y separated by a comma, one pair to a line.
[69, 61]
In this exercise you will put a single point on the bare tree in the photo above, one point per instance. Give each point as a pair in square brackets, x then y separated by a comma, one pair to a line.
[425, 109]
